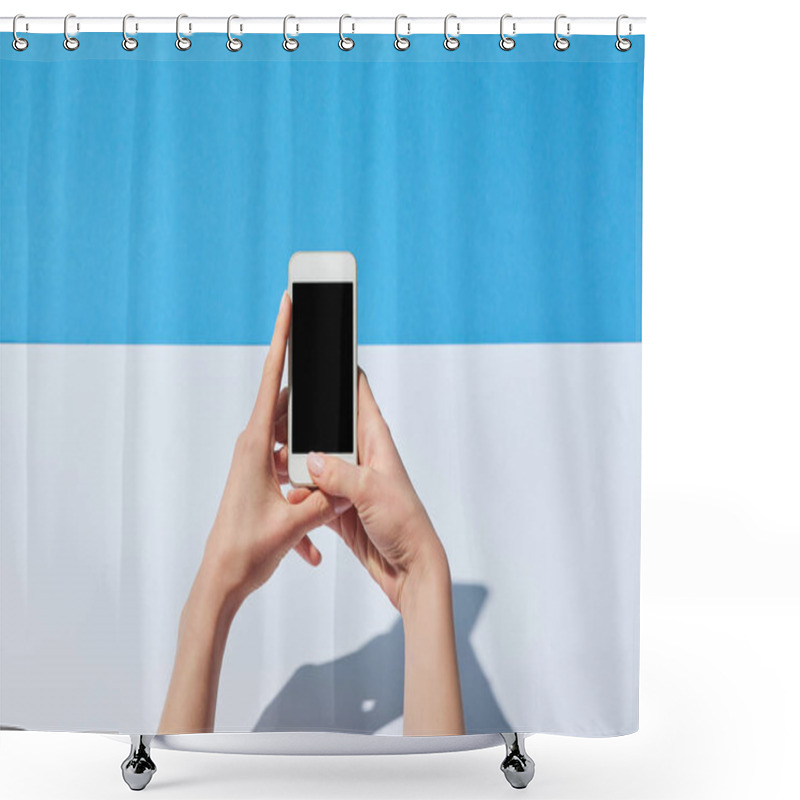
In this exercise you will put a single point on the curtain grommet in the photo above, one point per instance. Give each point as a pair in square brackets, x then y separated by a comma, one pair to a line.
[561, 43]
[507, 42]
[182, 42]
[71, 43]
[401, 43]
[129, 43]
[451, 43]
[290, 44]
[18, 43]
[233, 44]
[345, 42]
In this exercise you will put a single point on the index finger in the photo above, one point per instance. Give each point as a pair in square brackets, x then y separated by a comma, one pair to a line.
[375, 443]
[267, 397]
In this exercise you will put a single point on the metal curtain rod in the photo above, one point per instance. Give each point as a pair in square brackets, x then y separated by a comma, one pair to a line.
[407, 25]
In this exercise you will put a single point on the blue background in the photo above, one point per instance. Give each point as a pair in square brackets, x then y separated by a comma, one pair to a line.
[488, 196]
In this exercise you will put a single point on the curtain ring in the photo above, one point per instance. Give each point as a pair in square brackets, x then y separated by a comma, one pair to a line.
[290, 44]
[70, 42]
[506, 42]
[128, 42]
[560, 43]
[450, 42]
[401, 42]
[345, 42]
[18, 43]
[181, 42]
[623, 44]
[233, 44]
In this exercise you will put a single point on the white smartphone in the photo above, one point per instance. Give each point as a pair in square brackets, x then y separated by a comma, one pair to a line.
[323, 359]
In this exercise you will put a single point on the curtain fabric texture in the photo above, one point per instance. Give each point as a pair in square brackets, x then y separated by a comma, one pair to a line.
[150, 202]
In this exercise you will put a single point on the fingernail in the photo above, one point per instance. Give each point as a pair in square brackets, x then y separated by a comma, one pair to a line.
[340, 505]
[315, 463]
[283, 300]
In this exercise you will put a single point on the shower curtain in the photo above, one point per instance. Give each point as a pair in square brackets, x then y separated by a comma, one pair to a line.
[150, 203]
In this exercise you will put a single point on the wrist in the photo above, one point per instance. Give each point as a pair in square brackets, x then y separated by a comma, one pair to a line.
[427, 585]
[211, 603]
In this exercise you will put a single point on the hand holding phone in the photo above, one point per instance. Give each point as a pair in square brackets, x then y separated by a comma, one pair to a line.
[389, 531]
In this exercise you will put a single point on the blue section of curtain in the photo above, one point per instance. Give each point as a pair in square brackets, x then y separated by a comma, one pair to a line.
[156, 196]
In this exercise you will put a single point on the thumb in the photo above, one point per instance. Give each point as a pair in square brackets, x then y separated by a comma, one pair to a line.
[315, 510]
[337, 477]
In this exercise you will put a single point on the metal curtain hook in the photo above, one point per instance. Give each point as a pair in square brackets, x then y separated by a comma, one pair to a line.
[560, 43]
[181, 42]
[290, 44]
[70, 42]
[507, 42]
[233, 44]
[451, 42]
[623, 44]
[401, 42]
[18, 43]
[345, 42]
[128, 42]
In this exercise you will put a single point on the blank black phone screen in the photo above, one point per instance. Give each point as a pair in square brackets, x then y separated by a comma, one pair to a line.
[322, 367]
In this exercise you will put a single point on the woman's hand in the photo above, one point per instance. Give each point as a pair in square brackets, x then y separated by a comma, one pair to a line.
[387, 527]
[255, 525]
[391, 534]
[254, 529]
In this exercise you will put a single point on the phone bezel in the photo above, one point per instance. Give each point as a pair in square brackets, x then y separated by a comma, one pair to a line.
[323, 267]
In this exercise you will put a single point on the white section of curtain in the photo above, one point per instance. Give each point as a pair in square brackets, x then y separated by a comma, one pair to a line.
[113, 462]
